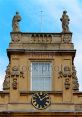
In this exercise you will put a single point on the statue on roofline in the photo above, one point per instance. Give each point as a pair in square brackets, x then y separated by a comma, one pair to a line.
[65, 22]
[15, 22]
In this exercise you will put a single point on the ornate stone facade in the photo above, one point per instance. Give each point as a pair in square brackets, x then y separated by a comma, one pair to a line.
[54, 48]
[66, 74]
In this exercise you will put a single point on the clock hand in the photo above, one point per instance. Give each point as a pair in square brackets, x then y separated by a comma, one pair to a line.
[43, 98]
[39, 96]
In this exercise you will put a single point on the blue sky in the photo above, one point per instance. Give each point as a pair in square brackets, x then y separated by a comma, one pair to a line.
[31, 22]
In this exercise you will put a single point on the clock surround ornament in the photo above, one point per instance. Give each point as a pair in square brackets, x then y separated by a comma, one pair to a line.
[40, 100]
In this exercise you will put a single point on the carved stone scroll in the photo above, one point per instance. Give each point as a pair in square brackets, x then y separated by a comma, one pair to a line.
[75, 79]
[15, 72]
[66, 73]
[14, 84]
[6, 83]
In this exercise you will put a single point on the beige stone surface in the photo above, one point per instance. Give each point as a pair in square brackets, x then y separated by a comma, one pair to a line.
[56, 48]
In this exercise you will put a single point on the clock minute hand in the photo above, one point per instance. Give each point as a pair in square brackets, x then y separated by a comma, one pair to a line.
[39, 96]
[43, 98]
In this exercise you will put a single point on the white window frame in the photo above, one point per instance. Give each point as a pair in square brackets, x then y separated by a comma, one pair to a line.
[50, 77]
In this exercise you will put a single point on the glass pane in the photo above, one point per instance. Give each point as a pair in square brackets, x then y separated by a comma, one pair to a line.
[41, 76]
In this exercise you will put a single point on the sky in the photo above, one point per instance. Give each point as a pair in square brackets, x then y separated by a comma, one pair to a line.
[30, 11]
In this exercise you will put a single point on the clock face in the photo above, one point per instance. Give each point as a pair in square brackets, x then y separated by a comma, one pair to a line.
[40, 100]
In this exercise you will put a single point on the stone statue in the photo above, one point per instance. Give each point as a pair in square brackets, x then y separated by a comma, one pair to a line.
[65, 22]
[15, 22]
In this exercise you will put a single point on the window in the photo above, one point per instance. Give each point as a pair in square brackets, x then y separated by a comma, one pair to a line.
[41, 76]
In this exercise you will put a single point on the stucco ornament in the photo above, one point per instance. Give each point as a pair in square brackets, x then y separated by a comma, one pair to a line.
[15, 74]
[75, 79]
[15, 22]
[66, 73]
[6, 83]
[66, 38]
[65, 22]
[14, 84]
[15, 71]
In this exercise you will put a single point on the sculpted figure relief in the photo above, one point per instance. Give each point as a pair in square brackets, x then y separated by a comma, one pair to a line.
[75, 79]
[65, 22]
[6, 83]
[66, 73]
[15, 22]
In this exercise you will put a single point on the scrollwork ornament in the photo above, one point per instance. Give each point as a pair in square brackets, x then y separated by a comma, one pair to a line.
[16, 72]
[14, 84]
[67, 83]
[75, 79]
[66, 73]
[6, 83]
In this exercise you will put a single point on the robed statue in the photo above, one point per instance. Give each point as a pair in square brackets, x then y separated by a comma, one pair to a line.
[15, 22]
[65, 22]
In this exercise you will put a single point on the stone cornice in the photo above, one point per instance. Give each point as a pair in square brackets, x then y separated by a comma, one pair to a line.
[51, 33]
[35, 50]
[50, 52]
[48, 114]
[78, 93]
[32, 92]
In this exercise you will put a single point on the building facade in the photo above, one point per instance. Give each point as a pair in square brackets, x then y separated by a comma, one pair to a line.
[41, 77]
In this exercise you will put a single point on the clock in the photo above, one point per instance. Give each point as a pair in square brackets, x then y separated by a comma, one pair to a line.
[40, 100]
